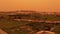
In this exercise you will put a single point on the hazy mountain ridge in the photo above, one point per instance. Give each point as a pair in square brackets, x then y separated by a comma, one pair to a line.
[29, 11]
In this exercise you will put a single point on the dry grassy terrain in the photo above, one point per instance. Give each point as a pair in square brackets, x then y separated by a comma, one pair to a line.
[29, 22]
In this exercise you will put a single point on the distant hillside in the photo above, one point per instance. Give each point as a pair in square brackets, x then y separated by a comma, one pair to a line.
[24, 14]
[29, 12]
[28, 22]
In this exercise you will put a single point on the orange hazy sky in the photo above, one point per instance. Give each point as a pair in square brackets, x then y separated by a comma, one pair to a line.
[39, 5]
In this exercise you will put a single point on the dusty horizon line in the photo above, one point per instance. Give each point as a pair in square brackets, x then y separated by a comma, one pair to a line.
[29, 11]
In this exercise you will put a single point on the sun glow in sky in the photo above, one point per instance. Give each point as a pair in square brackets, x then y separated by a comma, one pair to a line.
[39, 5]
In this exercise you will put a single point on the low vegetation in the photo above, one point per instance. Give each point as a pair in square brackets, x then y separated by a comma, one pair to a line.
[11, 26]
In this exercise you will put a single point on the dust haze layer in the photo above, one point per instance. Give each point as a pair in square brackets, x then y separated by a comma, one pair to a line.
[39, 5]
